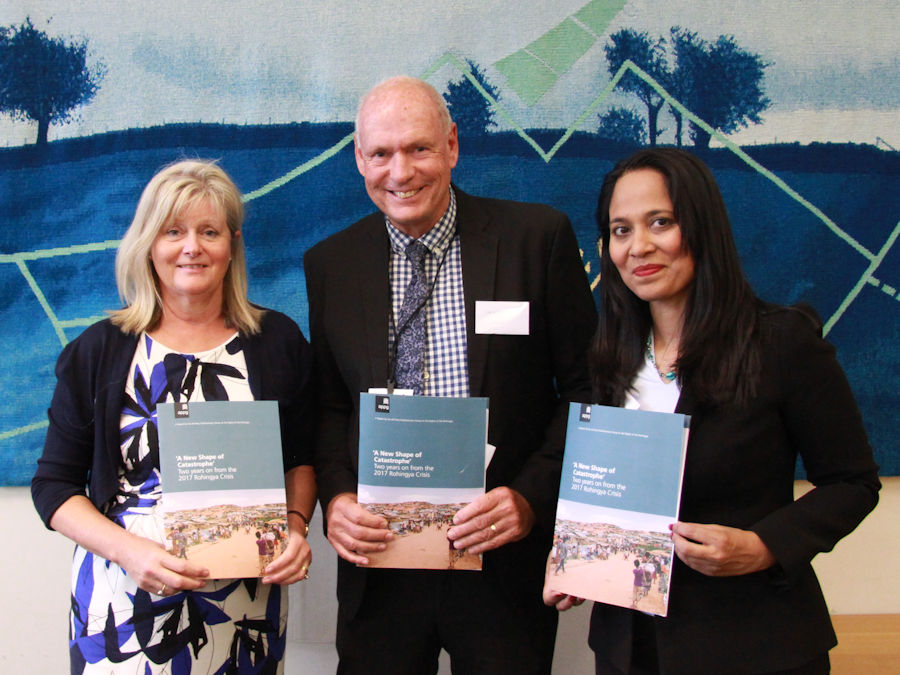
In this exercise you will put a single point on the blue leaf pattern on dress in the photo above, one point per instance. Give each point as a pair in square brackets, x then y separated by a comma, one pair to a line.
[168, 631]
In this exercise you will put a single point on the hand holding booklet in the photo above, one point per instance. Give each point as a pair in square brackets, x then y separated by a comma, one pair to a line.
[421, 459]
[619, 492]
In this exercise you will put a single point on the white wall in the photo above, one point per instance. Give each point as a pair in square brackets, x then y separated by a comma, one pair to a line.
[35, 590]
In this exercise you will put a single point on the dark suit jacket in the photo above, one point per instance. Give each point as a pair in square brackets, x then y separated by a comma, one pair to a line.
[510, 251]
[739, 472]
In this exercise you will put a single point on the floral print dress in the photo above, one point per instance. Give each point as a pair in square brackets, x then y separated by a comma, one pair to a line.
[228, 626]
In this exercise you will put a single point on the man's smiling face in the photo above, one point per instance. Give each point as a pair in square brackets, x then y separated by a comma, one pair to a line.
[405, 151]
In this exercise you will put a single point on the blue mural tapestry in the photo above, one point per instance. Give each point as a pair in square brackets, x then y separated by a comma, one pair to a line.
[796, 111]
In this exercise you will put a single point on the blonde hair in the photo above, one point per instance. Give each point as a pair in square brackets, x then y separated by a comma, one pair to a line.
[169, 193]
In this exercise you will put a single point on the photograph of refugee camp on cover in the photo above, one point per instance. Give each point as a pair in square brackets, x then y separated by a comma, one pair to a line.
[614, 556]
[419, 523]
[234, 533]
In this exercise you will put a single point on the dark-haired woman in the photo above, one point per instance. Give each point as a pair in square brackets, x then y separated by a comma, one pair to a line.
[681, 330]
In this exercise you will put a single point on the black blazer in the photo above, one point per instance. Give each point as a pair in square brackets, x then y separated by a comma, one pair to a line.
[510, 251]
[739, 472]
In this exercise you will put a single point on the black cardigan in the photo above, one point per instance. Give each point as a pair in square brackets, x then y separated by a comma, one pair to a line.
[82, 451]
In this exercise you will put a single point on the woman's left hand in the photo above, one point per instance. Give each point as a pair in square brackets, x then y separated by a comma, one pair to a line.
[719, 551]
[293, 564]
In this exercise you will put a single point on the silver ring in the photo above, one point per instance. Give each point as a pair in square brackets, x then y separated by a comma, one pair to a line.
[162, 589]
[493, 527]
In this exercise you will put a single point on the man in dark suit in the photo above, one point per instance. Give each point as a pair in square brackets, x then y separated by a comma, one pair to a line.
[508, 315]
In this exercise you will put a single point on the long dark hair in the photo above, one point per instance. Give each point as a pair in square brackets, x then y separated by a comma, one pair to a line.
[719, 352]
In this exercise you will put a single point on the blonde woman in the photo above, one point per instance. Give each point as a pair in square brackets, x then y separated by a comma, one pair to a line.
[186, 333]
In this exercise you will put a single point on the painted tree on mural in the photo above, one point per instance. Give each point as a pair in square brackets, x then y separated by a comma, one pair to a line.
[471, 111]
[44, 79]
[718, 81]
[650, 56]
[622, 125]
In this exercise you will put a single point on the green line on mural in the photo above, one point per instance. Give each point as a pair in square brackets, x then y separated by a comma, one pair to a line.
[56, 252]
[20, 259]
[451, 59]
[82, 322]
[526, 75]
[531, 71]
[598, 14]
[300, 170]
[546, 155]
[736, 149]
[37, 426]
[873, 265]
[562, 46]
[42, 300]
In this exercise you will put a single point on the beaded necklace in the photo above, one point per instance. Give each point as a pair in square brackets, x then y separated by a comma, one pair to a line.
[666, 377]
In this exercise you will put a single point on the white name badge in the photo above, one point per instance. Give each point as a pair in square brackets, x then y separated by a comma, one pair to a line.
[501, 318]
[384, 391]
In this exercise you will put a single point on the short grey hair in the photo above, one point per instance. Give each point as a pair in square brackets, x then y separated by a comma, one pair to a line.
[405, 81]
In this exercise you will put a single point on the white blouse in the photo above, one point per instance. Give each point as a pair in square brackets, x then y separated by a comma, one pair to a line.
[649, 392]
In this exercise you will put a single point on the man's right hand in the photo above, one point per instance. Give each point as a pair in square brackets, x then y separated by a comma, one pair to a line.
[354, 531]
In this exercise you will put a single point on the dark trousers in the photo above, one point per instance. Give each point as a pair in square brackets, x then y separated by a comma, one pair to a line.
[408, 616]
[645, 658]
[819, 666]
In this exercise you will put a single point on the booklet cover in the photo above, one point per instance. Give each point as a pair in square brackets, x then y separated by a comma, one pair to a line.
[619, 492]
[421, 459]
[222, 477]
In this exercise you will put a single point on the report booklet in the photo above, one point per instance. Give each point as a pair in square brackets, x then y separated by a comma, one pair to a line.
[619, 492]
[421, 459]
[223, 495]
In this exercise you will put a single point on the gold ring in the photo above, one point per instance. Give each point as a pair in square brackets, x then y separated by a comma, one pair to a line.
[162, 589]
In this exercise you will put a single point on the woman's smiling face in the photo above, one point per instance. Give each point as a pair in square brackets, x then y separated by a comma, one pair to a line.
[191, 255]
[645, 241]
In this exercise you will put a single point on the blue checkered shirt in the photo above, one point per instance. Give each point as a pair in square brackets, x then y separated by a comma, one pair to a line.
[446, 364]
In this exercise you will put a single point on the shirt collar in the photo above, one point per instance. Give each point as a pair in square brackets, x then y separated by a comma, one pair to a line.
[436, 240]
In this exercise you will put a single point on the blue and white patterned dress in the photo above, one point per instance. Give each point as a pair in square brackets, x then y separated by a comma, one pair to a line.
[230, 625]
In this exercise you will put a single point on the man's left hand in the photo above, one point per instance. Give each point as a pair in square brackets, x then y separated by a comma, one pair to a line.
[493, 519]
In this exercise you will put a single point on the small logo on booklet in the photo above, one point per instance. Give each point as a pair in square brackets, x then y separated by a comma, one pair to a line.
[181, 410]
[383, 404]
[585, 412]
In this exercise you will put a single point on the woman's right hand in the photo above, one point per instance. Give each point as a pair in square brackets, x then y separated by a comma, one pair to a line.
[152, 567]
[562, 601]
